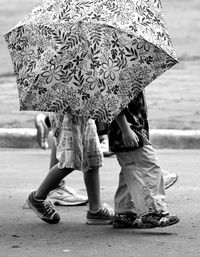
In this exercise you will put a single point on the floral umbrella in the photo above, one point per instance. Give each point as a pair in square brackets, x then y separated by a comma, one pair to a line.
[89, 57]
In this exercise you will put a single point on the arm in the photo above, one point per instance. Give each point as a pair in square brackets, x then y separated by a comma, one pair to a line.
[129, 136]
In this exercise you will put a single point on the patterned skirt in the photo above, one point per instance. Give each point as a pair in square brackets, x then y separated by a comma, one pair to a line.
[77, 142]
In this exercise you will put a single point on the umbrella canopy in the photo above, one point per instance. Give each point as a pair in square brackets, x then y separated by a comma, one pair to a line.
[89, 57]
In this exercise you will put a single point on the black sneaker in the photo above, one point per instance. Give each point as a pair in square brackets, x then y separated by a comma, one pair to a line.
[44, 209]
[104, 216]
[159, 219]
[129, 220]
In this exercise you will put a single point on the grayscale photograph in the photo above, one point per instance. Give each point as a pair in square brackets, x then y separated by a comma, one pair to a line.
[99, 128]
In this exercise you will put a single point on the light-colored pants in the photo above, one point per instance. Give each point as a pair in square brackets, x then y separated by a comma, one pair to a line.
[141, 184]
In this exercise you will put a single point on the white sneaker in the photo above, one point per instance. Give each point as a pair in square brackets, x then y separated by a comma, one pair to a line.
[66, 196]
[42, 130]
[170, 179]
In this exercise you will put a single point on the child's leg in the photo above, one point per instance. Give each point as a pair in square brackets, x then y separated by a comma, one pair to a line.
[43, 126]
[122, 200]
[144, 179]
[51, 181]
[37, 200]
[53, 159]
[92, 183]
[97, 214]
[145, 183]
[125, 211]
[64, 195]
[93, 159]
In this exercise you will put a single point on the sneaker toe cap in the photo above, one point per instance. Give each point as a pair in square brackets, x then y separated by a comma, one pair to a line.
[54, 220]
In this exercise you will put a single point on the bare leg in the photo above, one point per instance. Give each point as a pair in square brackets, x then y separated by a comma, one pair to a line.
[53, 160]
[51, 181]
[92, 183]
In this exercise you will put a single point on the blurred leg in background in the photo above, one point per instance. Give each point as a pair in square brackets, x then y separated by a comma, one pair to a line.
[62, 195]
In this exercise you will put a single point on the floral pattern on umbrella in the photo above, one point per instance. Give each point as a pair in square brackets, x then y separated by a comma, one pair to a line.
[89, 57]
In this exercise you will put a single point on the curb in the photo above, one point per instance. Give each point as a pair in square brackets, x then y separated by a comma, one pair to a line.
[175, 139]
[18, 138]
[160, 138]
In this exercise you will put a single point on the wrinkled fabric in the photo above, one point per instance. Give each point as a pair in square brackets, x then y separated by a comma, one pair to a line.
[137, 116]
[141, 184]
[77, 142]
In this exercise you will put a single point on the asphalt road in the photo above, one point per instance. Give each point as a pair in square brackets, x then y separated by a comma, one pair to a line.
[23, 234]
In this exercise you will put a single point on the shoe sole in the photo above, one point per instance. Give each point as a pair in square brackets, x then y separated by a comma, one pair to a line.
[98, 222]
[39, 215]
[172, 183]
[145, 226]
[63, 203]
[121, 226]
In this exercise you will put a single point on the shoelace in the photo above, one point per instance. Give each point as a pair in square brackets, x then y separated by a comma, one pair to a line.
[49, 207]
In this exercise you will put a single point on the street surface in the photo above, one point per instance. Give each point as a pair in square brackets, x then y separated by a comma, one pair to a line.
[22, 234]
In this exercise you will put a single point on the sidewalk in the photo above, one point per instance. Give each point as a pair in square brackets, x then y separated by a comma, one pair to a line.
[160, 138]
[23, 234]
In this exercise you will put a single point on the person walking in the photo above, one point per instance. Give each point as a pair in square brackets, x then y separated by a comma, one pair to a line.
[63, 195]
[170, 178]
[77, 147]
[69, 196]
[140, 196]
